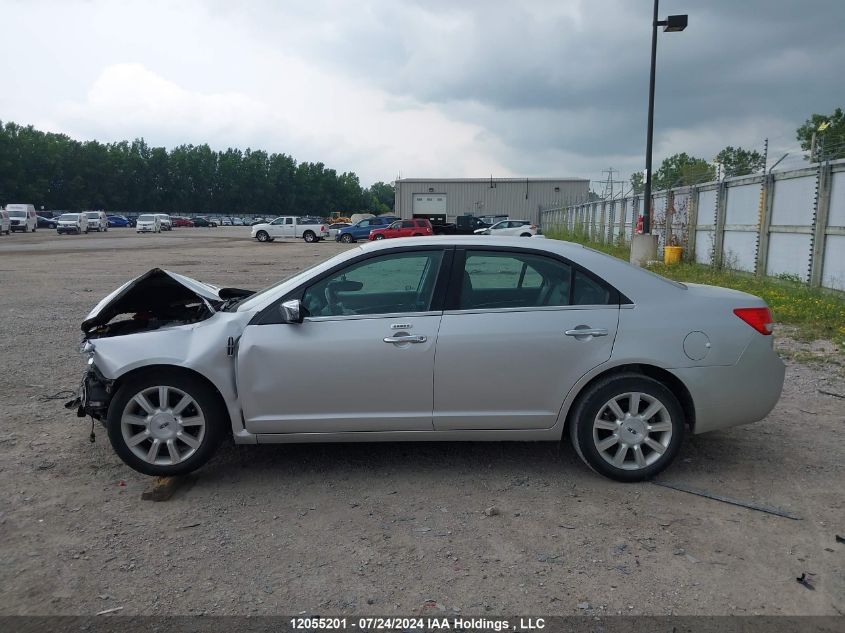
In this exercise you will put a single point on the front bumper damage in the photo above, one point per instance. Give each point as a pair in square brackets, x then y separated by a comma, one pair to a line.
[94, 395]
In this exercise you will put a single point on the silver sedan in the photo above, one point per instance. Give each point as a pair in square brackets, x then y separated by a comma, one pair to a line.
[479, 338]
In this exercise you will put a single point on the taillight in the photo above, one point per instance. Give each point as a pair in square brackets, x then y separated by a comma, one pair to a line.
[323, 228]
[758, 318]
[533, 226]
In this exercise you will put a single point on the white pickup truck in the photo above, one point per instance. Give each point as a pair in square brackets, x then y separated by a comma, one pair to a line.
[290, 226]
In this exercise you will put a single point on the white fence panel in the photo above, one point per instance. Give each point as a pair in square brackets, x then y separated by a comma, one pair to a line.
[739, 250]
[704, 247]
[789, 253]
[836, 214]
[833, 272]
[793, 201]
[743, 205]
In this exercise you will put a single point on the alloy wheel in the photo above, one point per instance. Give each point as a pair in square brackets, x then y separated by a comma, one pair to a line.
[632, 430]
[163, 425]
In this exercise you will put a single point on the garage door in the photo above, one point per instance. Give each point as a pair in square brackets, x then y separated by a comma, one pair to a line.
[429, 203]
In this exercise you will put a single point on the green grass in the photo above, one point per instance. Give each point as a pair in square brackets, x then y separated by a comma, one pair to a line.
[816, 313]
[617, 249]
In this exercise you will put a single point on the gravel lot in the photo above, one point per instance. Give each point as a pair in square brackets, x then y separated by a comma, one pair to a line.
[390, 528]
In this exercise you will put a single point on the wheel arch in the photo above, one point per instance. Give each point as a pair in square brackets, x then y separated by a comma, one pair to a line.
[118, 382]
[661, 375]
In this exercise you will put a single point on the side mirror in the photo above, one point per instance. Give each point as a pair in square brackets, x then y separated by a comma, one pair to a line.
[291, 311]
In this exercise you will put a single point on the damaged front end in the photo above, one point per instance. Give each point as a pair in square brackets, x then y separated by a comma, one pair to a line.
[157, 300]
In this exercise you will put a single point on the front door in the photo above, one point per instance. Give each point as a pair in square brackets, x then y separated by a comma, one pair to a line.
[362, 359]
[511, 351]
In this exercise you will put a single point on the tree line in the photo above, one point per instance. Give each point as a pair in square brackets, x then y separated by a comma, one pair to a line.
[58, 172]
[822, 136]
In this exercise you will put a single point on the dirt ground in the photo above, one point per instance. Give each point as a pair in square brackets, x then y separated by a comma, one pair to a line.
[386, 528]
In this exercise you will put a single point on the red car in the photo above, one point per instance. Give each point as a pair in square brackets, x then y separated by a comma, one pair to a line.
[403, 228]
[182, 221]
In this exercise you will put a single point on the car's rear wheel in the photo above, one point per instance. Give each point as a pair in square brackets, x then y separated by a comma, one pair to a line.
[346, 238]
[525, 235]
[165, 423]
[627, 427]
[262, 236]
[309, 236]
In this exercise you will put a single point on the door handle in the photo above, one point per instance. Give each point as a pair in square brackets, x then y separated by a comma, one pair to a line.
[586, 332]
[405, 339]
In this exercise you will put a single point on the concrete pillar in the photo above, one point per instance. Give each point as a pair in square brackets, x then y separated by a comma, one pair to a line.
[820, 224]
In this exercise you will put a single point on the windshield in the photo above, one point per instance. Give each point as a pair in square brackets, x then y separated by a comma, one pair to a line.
[147, 218]
[17, 214]
[69, 217]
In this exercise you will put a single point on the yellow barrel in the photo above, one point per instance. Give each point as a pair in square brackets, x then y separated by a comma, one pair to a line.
[672, 254]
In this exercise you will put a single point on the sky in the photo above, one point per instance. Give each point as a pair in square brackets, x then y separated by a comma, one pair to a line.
[427, 88]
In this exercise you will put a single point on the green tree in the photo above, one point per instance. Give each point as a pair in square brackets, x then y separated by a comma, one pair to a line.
[61, 173]
[637, 182]
[830, 141]
[680, 170]
[740, 162]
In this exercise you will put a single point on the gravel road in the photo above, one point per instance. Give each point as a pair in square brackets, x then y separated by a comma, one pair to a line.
[386, 528]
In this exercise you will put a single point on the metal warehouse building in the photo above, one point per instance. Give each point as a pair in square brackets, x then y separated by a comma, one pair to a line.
[519, 198]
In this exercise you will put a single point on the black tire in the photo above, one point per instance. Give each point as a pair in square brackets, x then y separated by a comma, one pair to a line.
[346, 238]
[379, 237]
[309, 236]
[262, 236]
[590, 405]
[417, 235]
[208, 401]
[526, 235]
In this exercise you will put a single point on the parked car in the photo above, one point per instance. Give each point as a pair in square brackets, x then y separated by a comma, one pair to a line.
[97, 221]
[522, 228]
[499, 338]
[289, 226]
[181, 221]
[46, 223]
[165, 221]
[22, 217]
[403, 228]
[119, 221]
[203, 221]
[5, 222]
[72, 223]
[463, 224]
[360, 230]
[335, 228]
[225, 221]
[237, 222]
[148, 223]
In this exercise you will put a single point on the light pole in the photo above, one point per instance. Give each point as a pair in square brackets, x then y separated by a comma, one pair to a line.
[672, 23]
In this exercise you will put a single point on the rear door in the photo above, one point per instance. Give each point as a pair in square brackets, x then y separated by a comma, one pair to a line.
[509, 348]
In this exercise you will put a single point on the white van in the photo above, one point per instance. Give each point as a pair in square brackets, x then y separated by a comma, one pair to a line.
[22, 217]
[5, 224]
[148, 223]
[97, 221]
[72, 223]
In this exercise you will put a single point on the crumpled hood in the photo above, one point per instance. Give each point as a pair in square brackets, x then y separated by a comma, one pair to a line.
[154, 289]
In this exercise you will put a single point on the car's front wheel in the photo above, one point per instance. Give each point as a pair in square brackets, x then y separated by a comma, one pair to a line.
[165, 423]
[627, 427]
[346, 238]
[262, 236]
[379, 237]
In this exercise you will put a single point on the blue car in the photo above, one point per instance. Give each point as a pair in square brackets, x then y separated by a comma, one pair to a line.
[361, 229]
[119, 221]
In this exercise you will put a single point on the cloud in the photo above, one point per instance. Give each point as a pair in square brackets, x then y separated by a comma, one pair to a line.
[428, 87]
